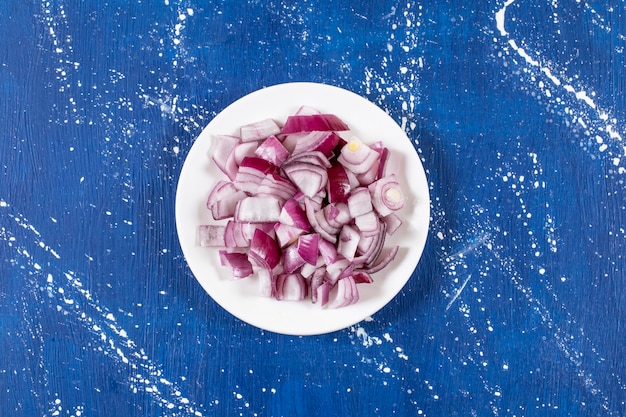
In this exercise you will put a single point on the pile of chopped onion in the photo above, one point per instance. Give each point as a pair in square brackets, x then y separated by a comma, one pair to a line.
[306, 211]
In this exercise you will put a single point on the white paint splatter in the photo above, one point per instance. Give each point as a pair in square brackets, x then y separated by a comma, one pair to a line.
[114, 341]
[595, 120]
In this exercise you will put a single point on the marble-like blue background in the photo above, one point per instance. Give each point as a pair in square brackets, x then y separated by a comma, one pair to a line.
[517, 111]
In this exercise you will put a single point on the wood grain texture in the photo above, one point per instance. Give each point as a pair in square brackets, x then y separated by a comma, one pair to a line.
[517, 110]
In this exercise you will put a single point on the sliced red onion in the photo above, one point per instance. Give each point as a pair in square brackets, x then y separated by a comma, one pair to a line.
[247, 182]
[393, 223]
[267, 282]
[287, 234]
[289, 141]
[343, 295]
[338, 186]
[369, 176]
[328, 251]
[360, 202]
[307, 269]
[323, 294]
[290, 287]
[291, 259]
[382, 162]
[338, 269]
[318, 200]
[264, 209]
[308, 247]
[312, 122]
[355, 290]
[264, 251]
[357, 156]
[369, 247]
[307, 210]
[368, 223]
[377, 247]
[223, 200]
[307, 111]
[387, 195]
[377, 170]
[311, 157]
[222, 148]
[313, 219]
[362, 277]
[257, 166]
[307, 141]
[272, 150]
[239, 263]
[384, 262]
[277, 186]
[227, 206]
[323, 224]
[211, 235]
[235, 235]
[337, 215]
[220, 190]
[320, 141]
[317, 279]
[252, 171]
[239, 234]
[348, 242]
[244, 150]
[292, 214]
[259, 130]
[359, 261]
[309, 178]
[365, 244]
[346, 294]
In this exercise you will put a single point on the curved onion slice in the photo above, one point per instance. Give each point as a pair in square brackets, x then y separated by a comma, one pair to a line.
[384, 262]
[360, 202]
[259, 130]
[292, 214]
[291, 259]
[267, 282]
[308, 247]
[265, 209]
[222, 148]
[309, 178]
[264, 251]
[348, 242]
[223, 199]
[290, 287]
[272, 150]
[357, 156]
[238, 262]
[338, 185]
[387, 195]
[347, 293]
[313, 122]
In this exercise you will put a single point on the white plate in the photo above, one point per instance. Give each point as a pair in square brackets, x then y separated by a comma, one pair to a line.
[369, 123]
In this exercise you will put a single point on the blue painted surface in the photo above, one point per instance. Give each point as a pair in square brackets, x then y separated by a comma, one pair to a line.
[517, 110]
